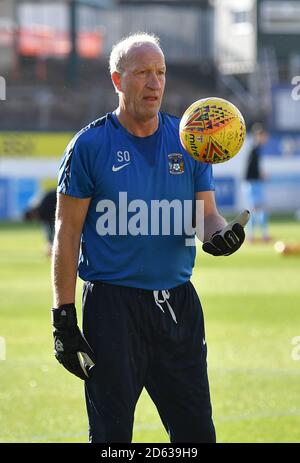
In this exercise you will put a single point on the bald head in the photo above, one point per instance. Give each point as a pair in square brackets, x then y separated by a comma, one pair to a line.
[129, 47]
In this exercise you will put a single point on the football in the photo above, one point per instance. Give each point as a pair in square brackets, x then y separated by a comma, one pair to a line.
[212, 130]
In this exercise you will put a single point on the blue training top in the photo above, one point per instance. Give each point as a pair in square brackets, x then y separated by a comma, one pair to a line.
[134, 233]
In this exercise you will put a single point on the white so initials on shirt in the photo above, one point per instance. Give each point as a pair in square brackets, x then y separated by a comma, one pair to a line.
[123, 160]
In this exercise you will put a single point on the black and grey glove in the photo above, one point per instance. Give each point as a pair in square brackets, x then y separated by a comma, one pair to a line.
[227, 241]
[70, 347]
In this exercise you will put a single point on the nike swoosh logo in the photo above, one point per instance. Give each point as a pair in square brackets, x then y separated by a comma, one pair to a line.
[115, 169]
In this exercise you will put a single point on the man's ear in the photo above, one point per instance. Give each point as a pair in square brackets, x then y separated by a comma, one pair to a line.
[116, 78]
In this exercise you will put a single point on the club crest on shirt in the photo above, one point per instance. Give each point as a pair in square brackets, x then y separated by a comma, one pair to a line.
[176, 163]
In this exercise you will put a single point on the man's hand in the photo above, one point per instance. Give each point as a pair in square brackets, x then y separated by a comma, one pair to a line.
[227, 241]
[70, 347]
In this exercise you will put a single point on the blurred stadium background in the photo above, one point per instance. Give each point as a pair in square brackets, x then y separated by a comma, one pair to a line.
[54, 79]
[54, 62]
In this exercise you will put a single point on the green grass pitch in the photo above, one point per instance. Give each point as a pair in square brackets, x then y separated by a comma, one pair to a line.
[251, 302]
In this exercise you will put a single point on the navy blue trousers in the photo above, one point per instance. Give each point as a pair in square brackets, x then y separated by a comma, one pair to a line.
[139, 345]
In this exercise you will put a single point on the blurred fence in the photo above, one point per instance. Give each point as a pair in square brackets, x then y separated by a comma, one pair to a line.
[187, 34]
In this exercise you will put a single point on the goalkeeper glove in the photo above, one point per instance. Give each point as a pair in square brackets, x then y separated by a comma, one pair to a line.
[227, 241]
[70, 347]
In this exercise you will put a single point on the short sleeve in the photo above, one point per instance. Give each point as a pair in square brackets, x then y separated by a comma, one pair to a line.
[75, 173]
[204, 180]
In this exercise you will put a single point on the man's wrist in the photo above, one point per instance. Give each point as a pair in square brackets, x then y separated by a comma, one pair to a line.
[66, 306]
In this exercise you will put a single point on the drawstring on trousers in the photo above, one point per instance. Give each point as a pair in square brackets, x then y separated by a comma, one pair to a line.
[158, 302]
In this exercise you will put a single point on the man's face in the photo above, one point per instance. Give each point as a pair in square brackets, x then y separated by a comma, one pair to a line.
[142, 82]
[262, 137]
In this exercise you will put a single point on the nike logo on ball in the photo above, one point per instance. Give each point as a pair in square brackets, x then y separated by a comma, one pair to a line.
[115, 169]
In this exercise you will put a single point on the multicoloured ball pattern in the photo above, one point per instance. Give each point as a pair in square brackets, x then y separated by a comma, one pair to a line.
[212, 130]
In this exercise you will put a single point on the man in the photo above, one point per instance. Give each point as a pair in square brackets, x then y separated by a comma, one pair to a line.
[255, 179]
[43, 209]
[142, 319]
